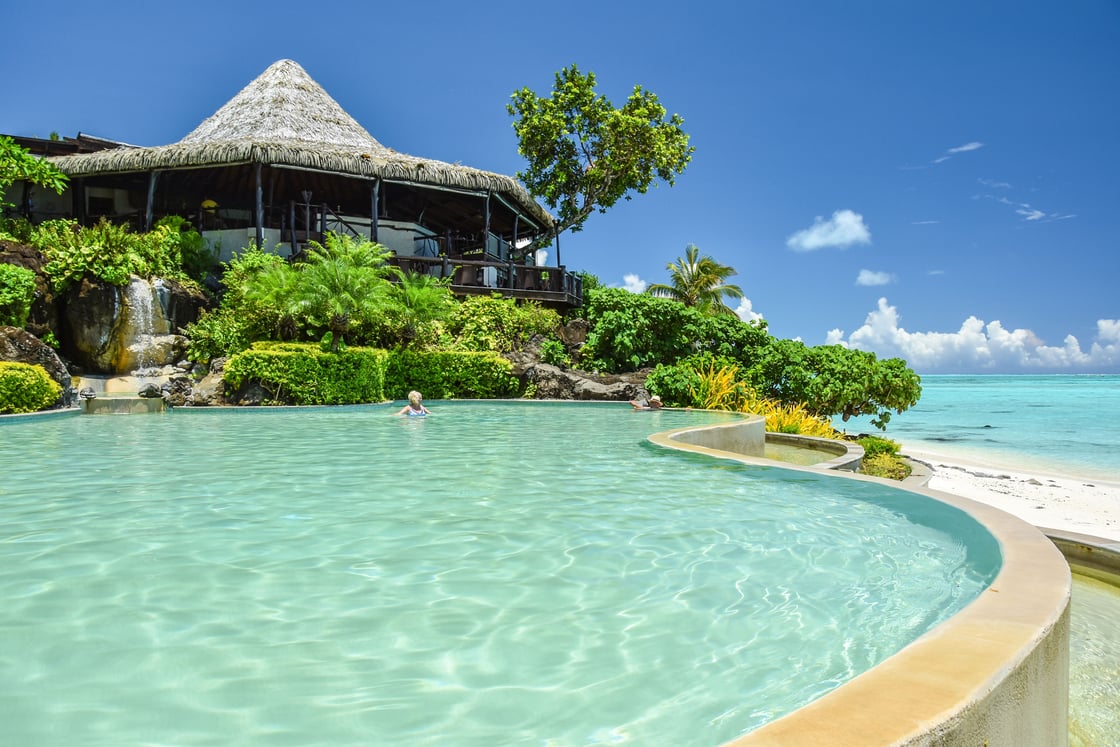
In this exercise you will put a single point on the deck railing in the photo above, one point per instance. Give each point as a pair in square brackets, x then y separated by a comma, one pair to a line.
[551, 285]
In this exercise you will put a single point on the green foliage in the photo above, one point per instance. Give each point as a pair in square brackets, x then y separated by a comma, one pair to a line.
[196, 258]
[416, 305]
[341, 283]
[446, 374]
[303, 374]
[554, 354]
[700, 282]
[886, 465]
[18, 164]
[499, 324]
[17, 292]
[875, 445]
[630, 331]
[585, 155]
[719, 387]
[834, 380]
[26, 388]
[109, 252]
[18, 230]
[241, 319]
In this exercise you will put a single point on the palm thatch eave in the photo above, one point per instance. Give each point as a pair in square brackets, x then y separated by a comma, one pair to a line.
[388, 165]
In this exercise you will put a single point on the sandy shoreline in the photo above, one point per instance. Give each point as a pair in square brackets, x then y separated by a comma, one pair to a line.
[1044, 499]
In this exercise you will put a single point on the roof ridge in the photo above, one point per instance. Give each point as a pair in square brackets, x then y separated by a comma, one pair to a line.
[284, 104]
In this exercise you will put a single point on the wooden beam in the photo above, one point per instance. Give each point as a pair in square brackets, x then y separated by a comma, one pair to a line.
[260, 209]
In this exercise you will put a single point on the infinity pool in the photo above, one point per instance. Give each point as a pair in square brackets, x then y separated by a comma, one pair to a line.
[497, 573]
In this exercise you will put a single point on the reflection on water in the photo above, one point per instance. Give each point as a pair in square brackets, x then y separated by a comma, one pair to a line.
[1094, 676]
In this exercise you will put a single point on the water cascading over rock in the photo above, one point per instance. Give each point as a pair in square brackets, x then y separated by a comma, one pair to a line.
[121, 330]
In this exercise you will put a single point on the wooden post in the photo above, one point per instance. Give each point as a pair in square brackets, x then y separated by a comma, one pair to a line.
[152, 179]
[373, 196]
[486, 228]
[292, 225]
[260, 209]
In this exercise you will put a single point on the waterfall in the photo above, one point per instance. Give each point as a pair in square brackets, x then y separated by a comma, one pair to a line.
[139, 300]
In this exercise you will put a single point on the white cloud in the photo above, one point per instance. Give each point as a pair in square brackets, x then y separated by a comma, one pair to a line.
[924, 222]
[873, 277]
[633, 283]
[748, 314]
[979, 346]
[959, 149]
[936, 272]
[992, 183]
[843, 229]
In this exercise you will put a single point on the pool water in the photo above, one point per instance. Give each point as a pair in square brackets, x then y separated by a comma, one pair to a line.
[497, 573]
[1094, 673]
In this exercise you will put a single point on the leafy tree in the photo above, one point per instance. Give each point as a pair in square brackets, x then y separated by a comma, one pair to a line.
[699, 281]
[17, 164]
[585, 155]
[630, 331]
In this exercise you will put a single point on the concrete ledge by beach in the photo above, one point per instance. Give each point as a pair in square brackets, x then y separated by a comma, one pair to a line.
[995, 674]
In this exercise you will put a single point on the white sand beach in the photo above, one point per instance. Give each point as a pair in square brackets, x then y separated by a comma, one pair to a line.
[1052, 501]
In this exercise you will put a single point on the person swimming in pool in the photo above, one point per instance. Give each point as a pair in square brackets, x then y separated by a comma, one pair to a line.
[415, 407]
[654, 403]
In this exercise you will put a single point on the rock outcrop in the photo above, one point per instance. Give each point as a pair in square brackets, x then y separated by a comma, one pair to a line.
[20, 346]
[114, 330]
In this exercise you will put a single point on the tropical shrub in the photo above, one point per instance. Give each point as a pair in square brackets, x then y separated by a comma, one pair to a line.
[834, 380]
[302, 374]
[26, 388]
[18, 230]
[449, 374]
[554, 354]
[630, 331]
[885, 465]
[17, 292]
[109, 252]
[497, 324]
[875, 445]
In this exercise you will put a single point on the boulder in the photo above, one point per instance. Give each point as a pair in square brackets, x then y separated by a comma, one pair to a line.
[20, 346]
[552, 382]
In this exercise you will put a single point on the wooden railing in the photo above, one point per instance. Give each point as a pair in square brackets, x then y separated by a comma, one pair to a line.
[553, 285]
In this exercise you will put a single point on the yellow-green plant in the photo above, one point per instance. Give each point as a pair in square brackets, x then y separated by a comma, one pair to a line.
[795, 418]
[885, 465]
[719, 388]
[26, 388]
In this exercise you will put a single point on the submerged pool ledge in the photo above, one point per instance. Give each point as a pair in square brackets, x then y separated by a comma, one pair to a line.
[995, 674]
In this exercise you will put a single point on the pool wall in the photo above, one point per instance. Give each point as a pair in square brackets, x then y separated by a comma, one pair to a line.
[995, 674]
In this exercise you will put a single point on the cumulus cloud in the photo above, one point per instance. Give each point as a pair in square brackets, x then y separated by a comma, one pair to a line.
[979, 347]
[746, 311]
[872, 277]
[843, 229]
[633, 283]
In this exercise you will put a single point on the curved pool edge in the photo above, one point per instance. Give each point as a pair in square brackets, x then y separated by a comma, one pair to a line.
[996, 673]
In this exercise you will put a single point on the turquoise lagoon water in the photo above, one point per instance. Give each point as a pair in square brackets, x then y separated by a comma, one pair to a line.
[498, 573]
[1063, 424]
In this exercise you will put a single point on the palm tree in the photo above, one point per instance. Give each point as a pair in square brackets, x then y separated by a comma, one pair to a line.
[345, 278]
[700, 282]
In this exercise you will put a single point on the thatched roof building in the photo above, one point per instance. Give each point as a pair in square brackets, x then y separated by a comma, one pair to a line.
[282, 162]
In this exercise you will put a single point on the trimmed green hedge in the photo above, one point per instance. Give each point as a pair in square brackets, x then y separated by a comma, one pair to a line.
[449, 375]
[306, 375]
[26, 388]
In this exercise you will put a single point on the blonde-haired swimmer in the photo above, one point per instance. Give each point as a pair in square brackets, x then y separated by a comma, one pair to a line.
[415, 407]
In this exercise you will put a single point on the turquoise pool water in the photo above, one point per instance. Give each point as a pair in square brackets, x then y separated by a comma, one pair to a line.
[498, 573]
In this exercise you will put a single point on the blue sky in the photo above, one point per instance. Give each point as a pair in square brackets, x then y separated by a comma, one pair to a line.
[937, 181]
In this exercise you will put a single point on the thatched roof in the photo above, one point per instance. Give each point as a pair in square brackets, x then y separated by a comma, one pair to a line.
[285, 118]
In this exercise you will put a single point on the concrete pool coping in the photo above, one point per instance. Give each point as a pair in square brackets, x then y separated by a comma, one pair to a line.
[996, 673]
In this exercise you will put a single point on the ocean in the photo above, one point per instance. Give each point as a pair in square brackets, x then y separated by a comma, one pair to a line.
[1064, 425]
